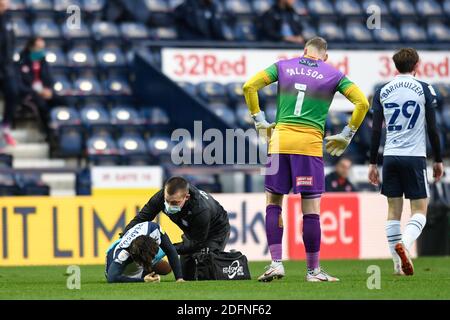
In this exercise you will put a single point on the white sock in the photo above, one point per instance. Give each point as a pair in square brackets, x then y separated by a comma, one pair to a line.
[413, 229]
[394, 236]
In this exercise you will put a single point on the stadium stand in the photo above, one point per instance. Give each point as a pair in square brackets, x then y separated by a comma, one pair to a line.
[105, 123]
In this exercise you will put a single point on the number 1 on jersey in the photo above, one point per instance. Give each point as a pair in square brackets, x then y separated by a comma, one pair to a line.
[300, 98]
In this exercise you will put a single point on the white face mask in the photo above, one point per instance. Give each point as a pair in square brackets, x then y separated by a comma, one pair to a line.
[171, 209]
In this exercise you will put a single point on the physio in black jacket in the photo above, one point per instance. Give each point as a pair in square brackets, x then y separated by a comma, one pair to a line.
[281, 23]
[202, 219]
[8, 80]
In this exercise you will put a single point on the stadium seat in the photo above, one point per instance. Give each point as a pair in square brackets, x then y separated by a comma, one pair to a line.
[126, 119]
[55, 57]
[261, 6]
[62, 86]
[103, 30]
[60, 6]
[243, 117]
[39, 5]
[133, 150]
[438, 32]
[446, 118]
[309, 31]
[387, 34]
[356, 30]
[6, 160]
[117, 86]
[155, 119]
[212, 91]
[111, 56]
[164, 33]
[238, 7]
[93, 7]
[70, 142]
[206, 182]
[17, 6]
[83, 182]
[245, 31]
[81, 57]
[188, 87]
[234, 92]
[271, 112]
[224, 113]
[348, 8]
[446, 7]
[320, 8]
[300, 7]
[31, 184]
[134, 31]
[429, 8]
[46, 28]
[102, 151]
[157, 5]
[384, 10]
[8, 185]
[160, 148]
[96, 119]
[268, 93]
[64, 117]
[21, 28]
[87, 86]
[331, 31]
[412, 32]
[402, 8]
[81, 33]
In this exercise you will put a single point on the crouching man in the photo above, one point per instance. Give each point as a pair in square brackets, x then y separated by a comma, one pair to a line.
[137, 256]
[202, 219]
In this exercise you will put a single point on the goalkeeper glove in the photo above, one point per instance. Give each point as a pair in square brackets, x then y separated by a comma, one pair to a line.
[261, 122]
[337, 143]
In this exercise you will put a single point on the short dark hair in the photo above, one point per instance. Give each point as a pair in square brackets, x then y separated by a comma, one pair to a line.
[317, 42]
[406, 59]
[175, 184]
[143, 250]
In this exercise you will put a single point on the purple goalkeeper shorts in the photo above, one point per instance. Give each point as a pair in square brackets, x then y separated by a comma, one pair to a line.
[302, 174]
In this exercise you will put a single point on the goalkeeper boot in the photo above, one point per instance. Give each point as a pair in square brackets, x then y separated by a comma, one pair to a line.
[274, 271]
[407, 265]
[319, 275]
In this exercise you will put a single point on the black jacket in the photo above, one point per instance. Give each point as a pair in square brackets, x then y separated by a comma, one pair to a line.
[196, 20]
[26, 74]
[202, 219]
[7, 46]
[335, 184]
[270, 23]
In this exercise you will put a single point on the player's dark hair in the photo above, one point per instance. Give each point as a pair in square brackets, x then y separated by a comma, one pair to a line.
[406, 59]
[143, 250]
[317, 42]
[175, 184]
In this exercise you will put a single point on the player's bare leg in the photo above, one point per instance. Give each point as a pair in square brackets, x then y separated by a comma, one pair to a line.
[393, 230]
[274, 233]
[311, 239]
[412, 231]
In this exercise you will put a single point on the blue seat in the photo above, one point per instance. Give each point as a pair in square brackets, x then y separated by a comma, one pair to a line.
[309, 31]
[412, 32]
[429, 8]
[21, 28]
[87, 86]
[235, 92]
[261, 6]
[269, 93]
[93, 7]
[82, 33]
[188, 87]
[133, 150]
[243, 117]
[174, 3]
[223, 112]
[387, 33]
[17, 5]
[437, 31]
[446, 7]
[157, 5]
[245, 31]
[64, 117]
[70, 142]
[211, 91]
[95, 116]
[156, 120]
[117, 86]
[336, 121]
[31, 184]
[402, 8]
[8, 185]
[300, 7]
[111, 56]
[378, 4]
[134, 31]
[442, 90]
[238, 7]
[160, 148]
[271, 112]
[39, 5]
[46, 28]
[446, 117]
[320, 8]
[83, 182]
[348, 8]
[165, 33]
[331, 31]
[357, 31]
[105, 30]
[81, 57]
[55, 57]
[62, 86]
[126, 117]
[60, 6]
[206, 182]
[6, 160]
[102, 150]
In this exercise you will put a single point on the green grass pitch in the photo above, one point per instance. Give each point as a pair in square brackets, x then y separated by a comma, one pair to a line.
[431, 281]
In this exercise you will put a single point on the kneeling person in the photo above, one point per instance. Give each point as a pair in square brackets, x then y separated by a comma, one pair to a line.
[137, 256]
